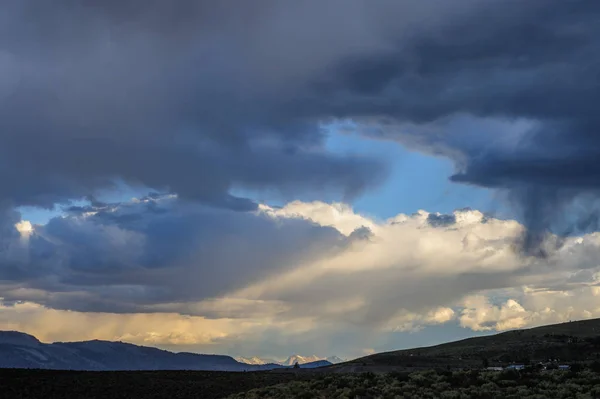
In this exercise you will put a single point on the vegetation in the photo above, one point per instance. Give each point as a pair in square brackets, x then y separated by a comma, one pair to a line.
[54, 384]
[441, 384]
[579, 383]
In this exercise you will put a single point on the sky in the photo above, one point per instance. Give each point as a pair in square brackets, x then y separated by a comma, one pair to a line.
[256, 179]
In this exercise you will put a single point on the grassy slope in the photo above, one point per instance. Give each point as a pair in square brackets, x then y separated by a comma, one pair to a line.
[573, 341]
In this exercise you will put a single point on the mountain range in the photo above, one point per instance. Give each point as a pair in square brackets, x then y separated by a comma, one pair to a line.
[577, 341]
[290, 361]
[20, 350]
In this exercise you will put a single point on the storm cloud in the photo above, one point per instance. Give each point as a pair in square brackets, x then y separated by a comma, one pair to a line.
[176, 97]
[201, 98]
[507, 91]
[129, 257]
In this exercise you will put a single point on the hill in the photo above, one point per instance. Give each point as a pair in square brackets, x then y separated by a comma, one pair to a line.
[577, 341]
[19, 350]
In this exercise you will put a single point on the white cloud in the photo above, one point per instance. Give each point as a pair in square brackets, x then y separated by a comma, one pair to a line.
[410, 269]
[404, 266]
[337, 215]
[479, 315]
[530, 308]
[412, 322]
[24, 228]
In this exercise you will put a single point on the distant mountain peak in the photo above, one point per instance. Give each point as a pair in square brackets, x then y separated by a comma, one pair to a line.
[290, 361]
[293, 359]
[256, 360]
[335, 359]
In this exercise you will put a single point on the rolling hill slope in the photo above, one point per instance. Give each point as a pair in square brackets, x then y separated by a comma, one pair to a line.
[577, 341]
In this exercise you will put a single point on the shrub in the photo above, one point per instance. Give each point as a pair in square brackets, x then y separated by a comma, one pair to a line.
[509, 375]
[431, 384]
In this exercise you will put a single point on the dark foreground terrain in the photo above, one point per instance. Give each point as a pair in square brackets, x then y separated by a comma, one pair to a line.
[508, 384]
[54, 384]
[475, 384]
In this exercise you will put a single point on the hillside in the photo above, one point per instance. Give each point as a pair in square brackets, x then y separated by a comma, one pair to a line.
[577, 341]
[19, 350]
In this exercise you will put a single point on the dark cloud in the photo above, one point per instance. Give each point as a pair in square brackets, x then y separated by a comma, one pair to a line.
[178, 97]
[534, 67]
[201, 98]
[129, 257]
[441, 220]
[360, 234]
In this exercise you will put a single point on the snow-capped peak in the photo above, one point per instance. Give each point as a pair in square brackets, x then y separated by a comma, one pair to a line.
[255, 360]
[290, 361]
[335, 359]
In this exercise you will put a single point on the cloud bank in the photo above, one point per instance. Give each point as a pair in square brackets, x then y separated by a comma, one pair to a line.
[161, 269]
